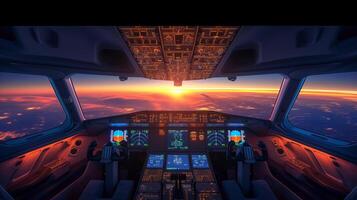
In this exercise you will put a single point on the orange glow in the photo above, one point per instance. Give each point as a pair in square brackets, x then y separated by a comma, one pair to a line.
[118, 138]
[5, 135]
[161, 132]
[193, 135]
[33, 108]
[27, 91]
[166, 88]
[320, 154]
[235, 139]
[173, 91]
[201, 137]
[329, 92]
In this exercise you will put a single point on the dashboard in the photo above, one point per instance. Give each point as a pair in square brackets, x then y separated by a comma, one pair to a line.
[177, 143]
[177, 131]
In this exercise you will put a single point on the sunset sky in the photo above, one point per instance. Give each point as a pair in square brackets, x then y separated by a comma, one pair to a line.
[29, 104]
[13, 83]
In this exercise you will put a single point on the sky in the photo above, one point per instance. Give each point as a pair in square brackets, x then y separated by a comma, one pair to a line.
[93, 83]
[29, 104]
[88, 83]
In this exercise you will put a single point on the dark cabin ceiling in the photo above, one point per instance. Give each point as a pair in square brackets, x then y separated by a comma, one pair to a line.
[178, 53]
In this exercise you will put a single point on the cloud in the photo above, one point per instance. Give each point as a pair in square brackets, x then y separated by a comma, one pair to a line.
[3, 117]
[6, 135]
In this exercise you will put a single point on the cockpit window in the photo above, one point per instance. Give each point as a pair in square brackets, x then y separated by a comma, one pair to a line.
[252, 96]
[327, 105]
[28, 105]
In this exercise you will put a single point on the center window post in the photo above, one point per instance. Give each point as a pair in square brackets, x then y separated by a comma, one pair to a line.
[63, 93]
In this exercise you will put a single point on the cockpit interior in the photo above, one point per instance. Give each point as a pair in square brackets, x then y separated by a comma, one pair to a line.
[178, 112]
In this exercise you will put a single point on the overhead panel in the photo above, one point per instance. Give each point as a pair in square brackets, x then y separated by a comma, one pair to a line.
[178, 53]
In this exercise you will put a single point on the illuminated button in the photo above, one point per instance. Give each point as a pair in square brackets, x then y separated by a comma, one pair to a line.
[193, 135]
[201, 137]
[161, 132]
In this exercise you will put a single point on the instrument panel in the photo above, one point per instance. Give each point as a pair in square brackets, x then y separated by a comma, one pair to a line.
[139, 138]
[177, 117]
[177, 161]
[176, 131]
[189, 172]
[177, 143]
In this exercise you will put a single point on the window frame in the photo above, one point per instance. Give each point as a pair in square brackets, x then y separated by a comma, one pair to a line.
[52, 133]
[308, 134]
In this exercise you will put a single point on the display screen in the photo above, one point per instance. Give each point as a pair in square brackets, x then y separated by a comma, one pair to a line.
[177, 162]
[199, 161]
[118, 135]
[177, 139]
[236, 135]
[216, 138]
[139, 138]
[155, 161]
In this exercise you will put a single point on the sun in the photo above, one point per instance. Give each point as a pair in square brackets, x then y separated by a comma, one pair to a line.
[177, 91]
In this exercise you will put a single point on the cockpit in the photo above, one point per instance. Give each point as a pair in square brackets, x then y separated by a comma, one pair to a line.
[178, 112]
[176, 149]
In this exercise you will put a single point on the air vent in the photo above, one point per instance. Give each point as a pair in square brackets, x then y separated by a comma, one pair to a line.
[7, 33]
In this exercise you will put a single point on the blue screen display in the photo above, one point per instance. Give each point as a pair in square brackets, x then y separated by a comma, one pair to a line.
[155, 161]
[177, 162]
[178, 139]
[199, 161]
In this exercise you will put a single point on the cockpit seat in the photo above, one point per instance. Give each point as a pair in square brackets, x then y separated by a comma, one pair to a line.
[95, 188]
[260, 190]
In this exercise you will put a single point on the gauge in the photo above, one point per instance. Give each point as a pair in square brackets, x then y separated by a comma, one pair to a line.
[216, 138]
[139, 138]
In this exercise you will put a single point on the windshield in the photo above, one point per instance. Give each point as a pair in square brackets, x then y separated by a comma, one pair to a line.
[252, 96]
[28, 105]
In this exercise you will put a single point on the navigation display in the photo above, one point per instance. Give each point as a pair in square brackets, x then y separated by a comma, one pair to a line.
[118, 135]
[139, 138]
[199, 161]
[155, 161]
[177, 139]
[236, 135]
[216, 138]
[177, 162]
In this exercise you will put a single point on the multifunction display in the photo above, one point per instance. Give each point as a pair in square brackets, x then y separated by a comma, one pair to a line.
[177, 139]
[199, 161]
[177, 162]
[155, 161]
[139, 138]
